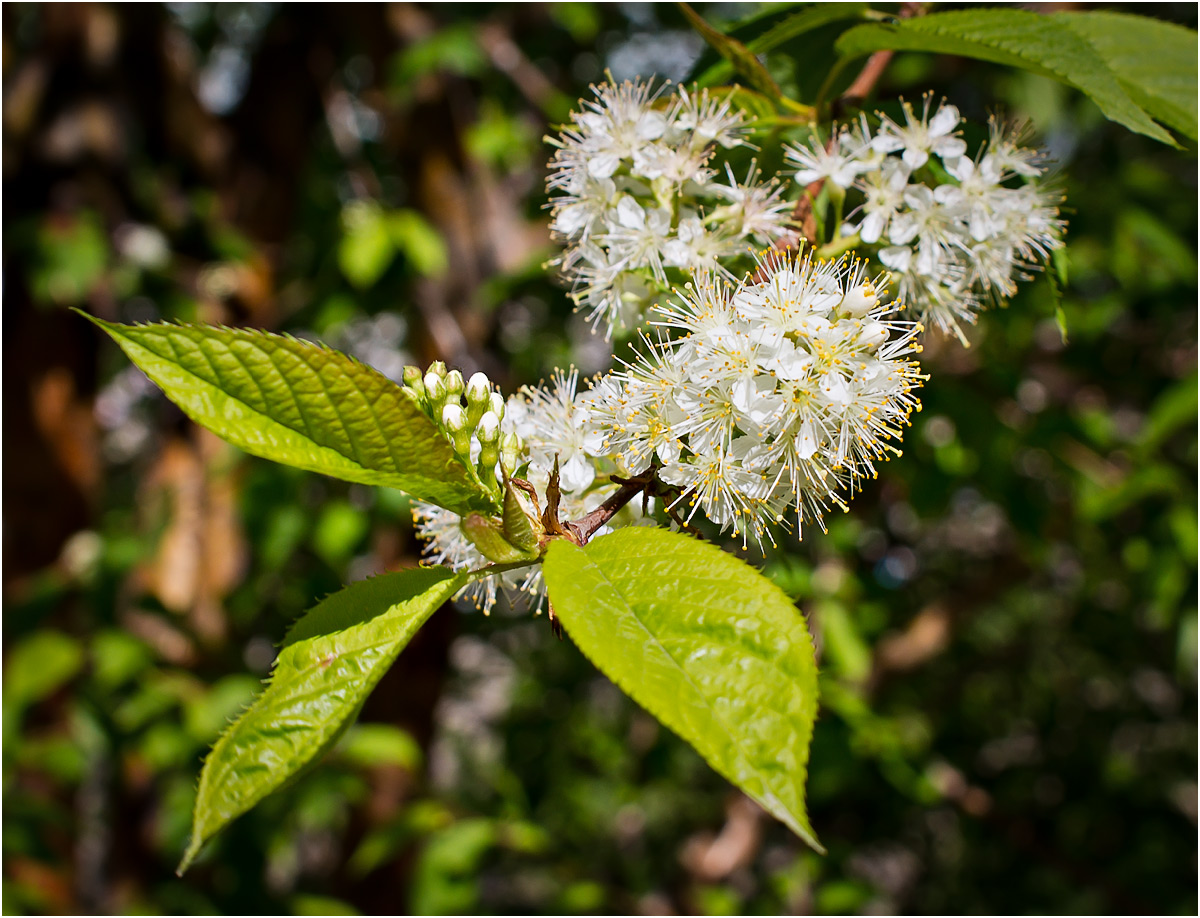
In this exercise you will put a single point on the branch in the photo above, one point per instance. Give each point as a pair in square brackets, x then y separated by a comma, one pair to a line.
[590, 522]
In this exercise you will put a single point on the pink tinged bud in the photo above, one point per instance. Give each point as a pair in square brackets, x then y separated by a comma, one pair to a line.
[414, 379]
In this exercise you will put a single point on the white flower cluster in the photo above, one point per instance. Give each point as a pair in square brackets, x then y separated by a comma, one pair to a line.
[635, 194]
[956, 234]
[544, 424]
[782, 392]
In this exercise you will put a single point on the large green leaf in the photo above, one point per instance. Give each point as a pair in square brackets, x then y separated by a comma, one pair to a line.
[330, 661]
[1154, 61]
[706, 644]
[304, 405]
[1016, 38]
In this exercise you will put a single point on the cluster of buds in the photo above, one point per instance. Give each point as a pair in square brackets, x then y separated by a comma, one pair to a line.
[469, 414]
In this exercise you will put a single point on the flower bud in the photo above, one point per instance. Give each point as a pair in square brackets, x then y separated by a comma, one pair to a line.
[860, 300]
[454, 385]
[873, 335]
[414, 379]
[454, 420]
[498, 405]
[438, 369]
[510, 450]
[478, 396]
[488, 430]
[435, 391]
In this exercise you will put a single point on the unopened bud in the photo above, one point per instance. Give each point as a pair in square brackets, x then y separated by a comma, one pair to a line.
[510, 450]
[873, 335]
[454, 385]
[454, 420]
[414, 379]
[860, 300]
[478, 397]
[498, 405]
[488, 430]
[438, 369]
[435, 391]
[479, 388]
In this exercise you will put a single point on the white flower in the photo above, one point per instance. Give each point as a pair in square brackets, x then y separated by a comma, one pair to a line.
[634, 195]
[921, 136]
[840, 161]
[781, 393]
[884, 190]
[954, 245]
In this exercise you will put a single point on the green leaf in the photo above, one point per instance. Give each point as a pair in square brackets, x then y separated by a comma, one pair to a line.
[38, 666]
[366, 248]
[742, 59]
[304, 405]
[1154, 61]
[1016, 38]
[706, 644]
[420, 242]
[783, 31]
[331, 659]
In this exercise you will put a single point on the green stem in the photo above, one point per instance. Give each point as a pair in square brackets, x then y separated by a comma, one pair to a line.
[838, 246]
[491, 569]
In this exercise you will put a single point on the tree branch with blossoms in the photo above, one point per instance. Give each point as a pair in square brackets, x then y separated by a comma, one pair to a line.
[767, 379]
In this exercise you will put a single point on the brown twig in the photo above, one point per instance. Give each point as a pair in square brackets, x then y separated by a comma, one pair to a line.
[590, 522]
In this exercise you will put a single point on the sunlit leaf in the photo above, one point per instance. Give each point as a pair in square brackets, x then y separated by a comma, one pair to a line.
[706, 644]
[304, 405]
[330, 661]
[1016, 38]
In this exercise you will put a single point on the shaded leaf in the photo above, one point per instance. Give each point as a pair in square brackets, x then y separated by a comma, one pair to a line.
[783, 31]
[706, 644]
[304, 405]
[1016, 38]
[738, 55]
[331, 659]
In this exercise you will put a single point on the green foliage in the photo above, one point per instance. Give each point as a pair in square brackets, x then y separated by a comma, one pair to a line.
[1049, 46]
[329, 663]
[72, 258]
[1005, 621]
[1154, 61]
[372, 238]
[304, 405]
[707, 644]
[738, 55]
[786, 29]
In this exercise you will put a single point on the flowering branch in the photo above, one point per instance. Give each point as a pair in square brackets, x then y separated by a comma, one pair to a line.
[587, 525]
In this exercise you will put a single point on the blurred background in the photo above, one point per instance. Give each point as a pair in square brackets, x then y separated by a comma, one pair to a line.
[1006, 619]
